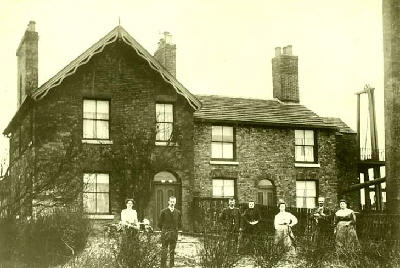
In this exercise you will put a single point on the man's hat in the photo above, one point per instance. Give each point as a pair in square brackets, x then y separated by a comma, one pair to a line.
[321, 199]
[281, 201]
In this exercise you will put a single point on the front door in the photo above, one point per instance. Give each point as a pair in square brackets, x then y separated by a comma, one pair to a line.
[162, 193]
[265, 197]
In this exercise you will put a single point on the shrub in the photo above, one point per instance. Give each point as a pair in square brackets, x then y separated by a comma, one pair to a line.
[381, 254]
[135, 249]
[51, 239]
[372, 254]
[98, 254]
[8, 232]
[219, 249]
[265, 252]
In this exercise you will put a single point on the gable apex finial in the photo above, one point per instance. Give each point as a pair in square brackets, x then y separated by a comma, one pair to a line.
[119, 21]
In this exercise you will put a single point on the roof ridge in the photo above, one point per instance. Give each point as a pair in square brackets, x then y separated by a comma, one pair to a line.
[235, 97]
[250, 98]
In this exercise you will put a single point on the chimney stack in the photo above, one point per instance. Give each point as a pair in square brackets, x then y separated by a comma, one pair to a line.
[27, 63]
[285, 75]
[166, 53]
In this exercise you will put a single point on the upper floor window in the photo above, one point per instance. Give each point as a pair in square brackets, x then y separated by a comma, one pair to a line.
[164, 121]
[306, 194]
[305, 146]
[96, 193]
[223, 187]
[96, 116]
[223, 142]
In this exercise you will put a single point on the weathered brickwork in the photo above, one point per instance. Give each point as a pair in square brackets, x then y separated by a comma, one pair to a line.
[121, 76]
[285, 76]
[266, 153]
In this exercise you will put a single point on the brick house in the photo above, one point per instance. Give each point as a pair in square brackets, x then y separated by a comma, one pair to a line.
[252, 149]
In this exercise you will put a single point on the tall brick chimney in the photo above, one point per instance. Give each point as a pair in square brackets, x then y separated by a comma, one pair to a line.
[166, 53]
[27, 63]
[285, 75]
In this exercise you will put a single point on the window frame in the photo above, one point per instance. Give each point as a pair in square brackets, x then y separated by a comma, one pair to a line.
[109, 192]
[315, 146]
[305, 197]
[109, 118]
[224, 179]
[233, 142]
[172, 138]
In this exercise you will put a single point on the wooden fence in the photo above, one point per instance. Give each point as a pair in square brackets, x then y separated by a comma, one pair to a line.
[370, 225]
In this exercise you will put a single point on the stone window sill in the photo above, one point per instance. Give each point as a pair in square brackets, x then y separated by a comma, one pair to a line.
[166, 143]
[100, 217]
[310, 165]
[97, 141]
[219, 162]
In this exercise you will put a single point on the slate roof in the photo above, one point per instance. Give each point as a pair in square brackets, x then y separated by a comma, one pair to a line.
[117, 33]
[258, 111]
[343, 128]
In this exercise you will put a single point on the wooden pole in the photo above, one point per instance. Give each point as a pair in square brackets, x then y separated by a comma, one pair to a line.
[358, 125]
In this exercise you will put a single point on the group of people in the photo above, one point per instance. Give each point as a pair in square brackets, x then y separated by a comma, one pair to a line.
[343, 222]
[244, 226]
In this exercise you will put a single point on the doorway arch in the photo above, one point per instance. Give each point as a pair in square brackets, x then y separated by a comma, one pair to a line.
[165, 184]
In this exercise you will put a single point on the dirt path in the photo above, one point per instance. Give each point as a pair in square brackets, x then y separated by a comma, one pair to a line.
[187, 255]
[188, 247]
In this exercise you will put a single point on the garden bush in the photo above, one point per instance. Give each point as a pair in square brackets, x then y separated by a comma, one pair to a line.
[380, 254]
[135, 249]
[219, 249]
[8, 232]
[51, 239]
[265, 252]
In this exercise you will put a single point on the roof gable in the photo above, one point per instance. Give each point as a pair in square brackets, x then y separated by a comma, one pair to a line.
[117, 33]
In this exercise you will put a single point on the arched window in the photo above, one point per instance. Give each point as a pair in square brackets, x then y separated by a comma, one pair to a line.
[265, 193]
[165, 176]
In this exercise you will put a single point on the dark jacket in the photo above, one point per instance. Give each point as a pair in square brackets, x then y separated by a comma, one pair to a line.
[170, 221]
[230, 218]
[250, 215]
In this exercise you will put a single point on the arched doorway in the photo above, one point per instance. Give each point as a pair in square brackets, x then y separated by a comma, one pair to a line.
[165, 185]
[265, 193]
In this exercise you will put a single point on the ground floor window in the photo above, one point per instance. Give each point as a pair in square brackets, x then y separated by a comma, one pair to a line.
[96, 193]
[223, 187]
[306, 194]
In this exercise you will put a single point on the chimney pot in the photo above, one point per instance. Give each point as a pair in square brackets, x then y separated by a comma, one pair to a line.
[278, 51]
[166, 53]
[289, 50]
[31, 26]
[168, 38]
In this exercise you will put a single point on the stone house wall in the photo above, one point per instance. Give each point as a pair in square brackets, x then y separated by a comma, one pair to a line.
[264, 152]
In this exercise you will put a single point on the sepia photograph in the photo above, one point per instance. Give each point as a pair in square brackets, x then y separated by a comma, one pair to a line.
[207, 134]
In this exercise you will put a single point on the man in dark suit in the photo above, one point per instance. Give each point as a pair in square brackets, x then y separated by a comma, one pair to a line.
[230, 220]
[323, 223]
[169, 223]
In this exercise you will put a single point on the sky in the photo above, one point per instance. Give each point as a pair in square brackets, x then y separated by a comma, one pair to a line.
[224, 47]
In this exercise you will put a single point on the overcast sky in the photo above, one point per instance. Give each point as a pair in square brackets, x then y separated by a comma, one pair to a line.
[223, 47]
